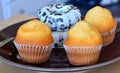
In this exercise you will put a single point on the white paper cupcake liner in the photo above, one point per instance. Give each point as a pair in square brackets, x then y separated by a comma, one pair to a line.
[108, 37]
[59, 38]
[83, 55]
[33, 54]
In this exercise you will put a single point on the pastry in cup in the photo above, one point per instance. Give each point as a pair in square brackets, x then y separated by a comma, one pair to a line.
[60, 17]
[33, 42]
[102, 19]
[83, 44]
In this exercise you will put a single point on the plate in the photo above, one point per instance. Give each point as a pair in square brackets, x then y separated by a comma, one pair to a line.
[58, 60]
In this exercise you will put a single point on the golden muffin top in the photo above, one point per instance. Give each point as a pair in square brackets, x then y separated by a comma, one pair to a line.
[101, 18]
[83, 34]
[34, 32]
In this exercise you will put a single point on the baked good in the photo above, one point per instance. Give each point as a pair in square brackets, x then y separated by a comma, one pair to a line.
[83, 44]
[33, 42]
[59, 17]
[102, 19]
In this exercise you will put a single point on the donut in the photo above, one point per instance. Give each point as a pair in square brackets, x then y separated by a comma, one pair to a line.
[59, 17]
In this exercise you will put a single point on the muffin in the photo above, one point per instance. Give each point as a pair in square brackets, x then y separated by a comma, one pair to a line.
[102, 19]
[83, 44]
[33, 42]
[60, 18]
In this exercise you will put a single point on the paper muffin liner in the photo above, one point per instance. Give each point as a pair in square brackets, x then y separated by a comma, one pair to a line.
[33, 54]
[59, 38]
[83, 55]
[108, 37]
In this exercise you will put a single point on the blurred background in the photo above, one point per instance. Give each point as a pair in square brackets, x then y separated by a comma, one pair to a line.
[9, 8]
